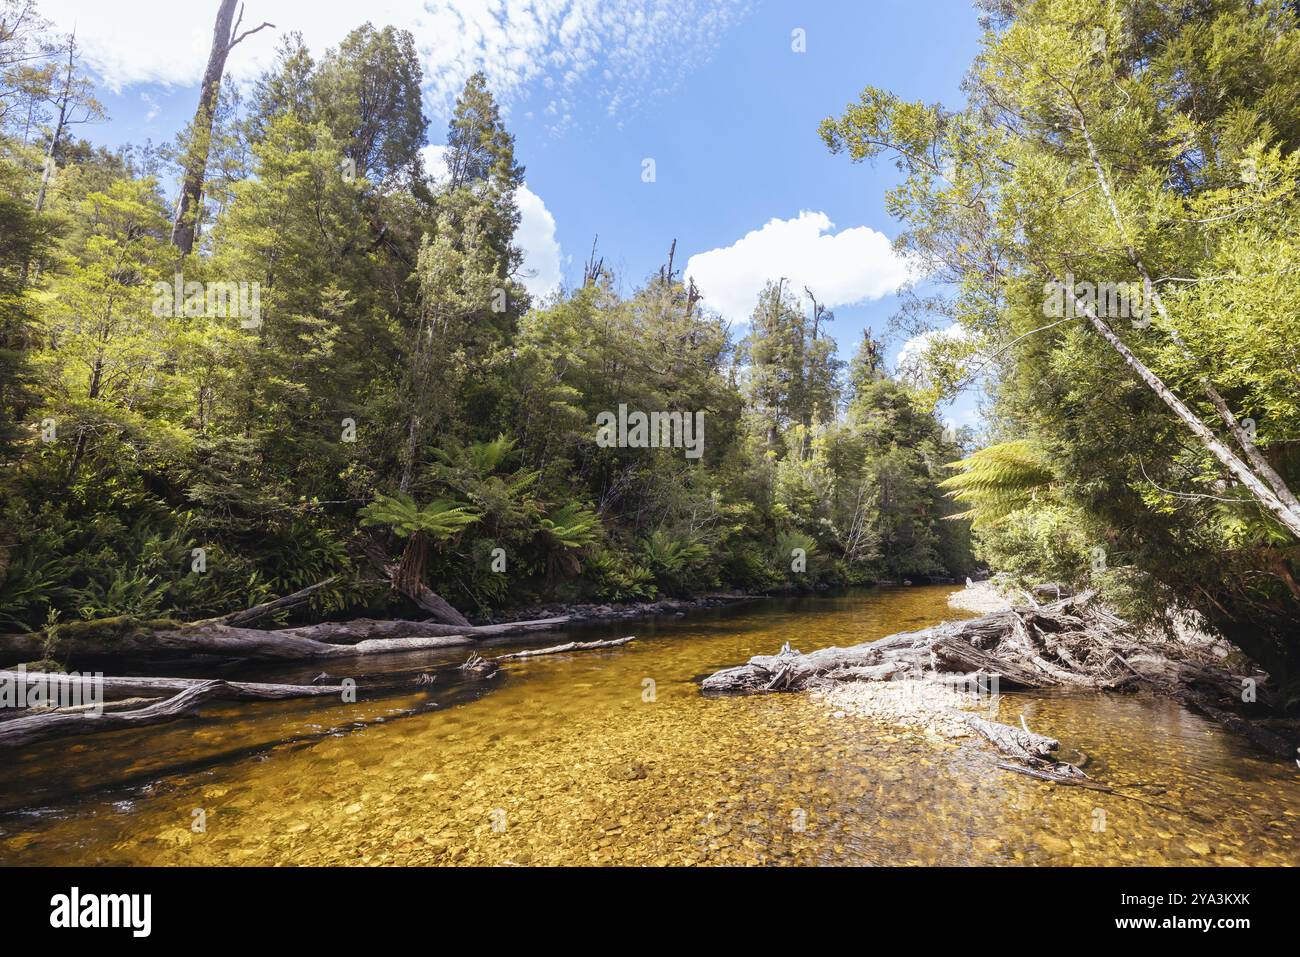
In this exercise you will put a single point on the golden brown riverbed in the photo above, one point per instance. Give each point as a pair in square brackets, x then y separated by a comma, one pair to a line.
[579, 759]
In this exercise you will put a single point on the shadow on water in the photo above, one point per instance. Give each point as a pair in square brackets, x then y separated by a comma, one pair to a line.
[44, 777]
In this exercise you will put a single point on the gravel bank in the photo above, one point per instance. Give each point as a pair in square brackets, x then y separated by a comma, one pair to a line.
[979, 597]
[929, 706]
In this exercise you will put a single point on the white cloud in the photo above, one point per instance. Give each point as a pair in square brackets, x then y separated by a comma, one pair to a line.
[851, 266]
[535, 235]
[435, 163]
[627, 50]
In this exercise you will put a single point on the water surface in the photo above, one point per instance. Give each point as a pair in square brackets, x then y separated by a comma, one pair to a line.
[614, 757]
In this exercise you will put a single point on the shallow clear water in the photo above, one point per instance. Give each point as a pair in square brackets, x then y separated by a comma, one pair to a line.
[615, 757]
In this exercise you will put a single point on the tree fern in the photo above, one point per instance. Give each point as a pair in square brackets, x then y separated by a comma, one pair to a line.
[440, 519]
[420, 524]
[567, 530]
[998, 480]
[669, 555]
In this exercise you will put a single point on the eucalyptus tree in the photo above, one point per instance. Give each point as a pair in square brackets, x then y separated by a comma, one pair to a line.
[226, 35]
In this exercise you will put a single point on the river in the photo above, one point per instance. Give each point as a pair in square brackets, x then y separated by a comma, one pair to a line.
[614, 757]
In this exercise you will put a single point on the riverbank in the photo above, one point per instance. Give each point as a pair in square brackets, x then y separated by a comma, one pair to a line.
[980, 598]
[593, 612]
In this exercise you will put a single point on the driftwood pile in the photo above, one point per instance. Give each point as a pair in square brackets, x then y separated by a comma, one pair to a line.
[1073, 642]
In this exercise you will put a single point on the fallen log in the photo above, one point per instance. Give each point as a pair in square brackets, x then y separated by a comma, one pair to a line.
[1016, 742]
[792, 671]
[380, 646]
[567, 646]
[129, 637]
[126, 687]
[140, 705]
[162, 638]
[361, 629]
[35, 728]
[123, 704]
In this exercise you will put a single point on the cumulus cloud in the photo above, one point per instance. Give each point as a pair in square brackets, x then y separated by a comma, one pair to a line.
[842, 268]
[535, 235]
[616, 52]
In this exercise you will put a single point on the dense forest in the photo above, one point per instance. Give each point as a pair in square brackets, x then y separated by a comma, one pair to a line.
[318, 362]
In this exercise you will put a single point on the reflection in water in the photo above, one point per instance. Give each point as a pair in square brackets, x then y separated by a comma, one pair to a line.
[614, 757]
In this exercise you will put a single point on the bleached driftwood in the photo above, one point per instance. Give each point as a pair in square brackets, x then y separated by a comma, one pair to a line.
[1070, 642]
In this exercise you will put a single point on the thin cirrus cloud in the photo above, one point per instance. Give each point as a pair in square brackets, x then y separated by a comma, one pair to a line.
[535, 236]
[842, 268]
[572, 52]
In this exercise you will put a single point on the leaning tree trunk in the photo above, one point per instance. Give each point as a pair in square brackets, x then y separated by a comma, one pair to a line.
[1261, 492]
[410, 583]
[224, 39]
[1261, 465]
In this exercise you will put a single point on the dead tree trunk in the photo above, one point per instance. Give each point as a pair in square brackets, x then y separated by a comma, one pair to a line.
[35, 728]
[1018, 742]
[1240, 471]
[63, 102]
[32, 727]
[334, 639]
[567, 647]
[225, 36]
[252, 614]
[152, 687]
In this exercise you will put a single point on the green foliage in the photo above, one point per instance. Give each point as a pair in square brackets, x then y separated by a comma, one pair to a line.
[397, 377]
[997, 480]
[674, 562]
[1115, 144]
[571, 526]
[621, 578]
[565, 532]
[439, 520]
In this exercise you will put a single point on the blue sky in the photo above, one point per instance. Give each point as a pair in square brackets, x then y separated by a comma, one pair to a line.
[712, 92]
